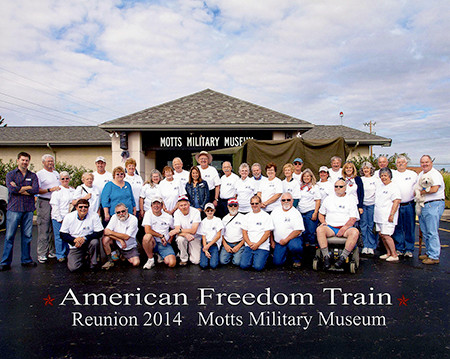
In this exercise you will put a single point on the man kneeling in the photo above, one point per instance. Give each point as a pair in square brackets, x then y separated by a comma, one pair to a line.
[82, 231]
[122, 228]
[157, 224]
[337, 216]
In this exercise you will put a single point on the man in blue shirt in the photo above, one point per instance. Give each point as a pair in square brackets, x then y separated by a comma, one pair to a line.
[22, 186]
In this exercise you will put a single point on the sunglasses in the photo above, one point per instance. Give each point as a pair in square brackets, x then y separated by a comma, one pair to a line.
[232, 205]
[120, 212]
[83, 207]
[297, 163]
[339, 186]
[286, 200]
[65, 179]
[120, 174]
[209, 210]
[254, 204]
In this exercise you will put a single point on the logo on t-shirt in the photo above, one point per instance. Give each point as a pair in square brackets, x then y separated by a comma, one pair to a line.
[258, 223]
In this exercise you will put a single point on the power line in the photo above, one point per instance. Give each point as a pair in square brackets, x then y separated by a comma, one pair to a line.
[66, 93]
[50, 94]
[49, 108]
[34, 116]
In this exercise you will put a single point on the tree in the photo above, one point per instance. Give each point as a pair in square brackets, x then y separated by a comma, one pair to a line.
[1, 122]
[359, 160]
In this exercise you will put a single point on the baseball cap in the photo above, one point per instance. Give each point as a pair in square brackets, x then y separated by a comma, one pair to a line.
[233, 201]
[157, 199]
[209, 205]
[100, 158]
[183, 198]
[323, 168]
[298, 159]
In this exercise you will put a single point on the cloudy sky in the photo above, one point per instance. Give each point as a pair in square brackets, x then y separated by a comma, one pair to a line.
[85, 62]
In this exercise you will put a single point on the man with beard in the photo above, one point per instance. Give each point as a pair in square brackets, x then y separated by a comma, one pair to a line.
[286, 237]
[122, 228]
[233, 241]
[337, 216]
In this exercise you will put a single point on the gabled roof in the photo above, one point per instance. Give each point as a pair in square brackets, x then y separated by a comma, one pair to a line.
[204, 110]
[55, 136]
[351, 135]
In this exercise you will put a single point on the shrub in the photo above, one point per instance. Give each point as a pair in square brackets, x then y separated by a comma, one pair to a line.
[7, 167]
[75, 172]
[359, 160]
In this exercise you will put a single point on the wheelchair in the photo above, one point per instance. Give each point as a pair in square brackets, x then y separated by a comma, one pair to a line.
[335, 246]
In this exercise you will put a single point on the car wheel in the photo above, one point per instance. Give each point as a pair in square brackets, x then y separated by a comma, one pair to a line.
[2, 215]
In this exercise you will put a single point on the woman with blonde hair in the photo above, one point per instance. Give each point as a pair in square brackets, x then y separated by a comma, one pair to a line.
[309, 205]
[149, 190]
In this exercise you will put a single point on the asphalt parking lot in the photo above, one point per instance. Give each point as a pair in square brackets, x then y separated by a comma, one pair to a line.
[385, 309]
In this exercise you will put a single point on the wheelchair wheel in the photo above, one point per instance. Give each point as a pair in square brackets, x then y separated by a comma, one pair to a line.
[353, 267]
[315, 263]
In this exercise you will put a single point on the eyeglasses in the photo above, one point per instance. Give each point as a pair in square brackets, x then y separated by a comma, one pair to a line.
[339, 186]
[209, 210]
[232, 205]
[120, 212]
[254, 204]
[65, 178]
[83, 207]
[286, 200]
[120, 174]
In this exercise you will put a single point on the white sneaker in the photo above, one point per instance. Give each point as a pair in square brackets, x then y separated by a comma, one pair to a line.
[42, 259]
[364, 250]
[51, 255]
[408, 254]
[392, 259]
[400, 254]
[384, 256]
[370, 251]
[159, 259]
[150, 263]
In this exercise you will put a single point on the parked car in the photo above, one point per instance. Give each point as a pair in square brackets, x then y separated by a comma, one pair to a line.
[3, 203]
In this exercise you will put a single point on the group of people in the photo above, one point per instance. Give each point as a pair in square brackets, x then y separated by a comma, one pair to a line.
[209, 220]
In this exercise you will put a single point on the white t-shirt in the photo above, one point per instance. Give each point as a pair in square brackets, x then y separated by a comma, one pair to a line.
[298, 177]
[352, 188]
[228, 186]
[101, 180]
[187, 221]
[268, 189]
[183, 177]
[338, 210]
[370, 186]
[209, 229]
[308, 198]
[293, 187]
[128, 227]
[384, 197]
[136, 183]
[256, 224]
[232, 228]
[94, 201]
[211, 176]
[245, 190]
[47, 180]
[258, 182]
[160, 224]
[60, 202]
[81, 228]
[405, 181]
[325, 188]
[170, 191]
[285, 222]
[147, 193]
[334, 175]
[438, 180]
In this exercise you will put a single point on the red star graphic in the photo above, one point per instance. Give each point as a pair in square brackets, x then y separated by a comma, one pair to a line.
[49, 300]
[403, 301]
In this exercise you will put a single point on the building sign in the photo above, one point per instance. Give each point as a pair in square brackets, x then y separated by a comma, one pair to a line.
[200, 141]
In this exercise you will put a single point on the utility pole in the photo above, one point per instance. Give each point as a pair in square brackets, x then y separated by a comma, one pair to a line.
[370, 124]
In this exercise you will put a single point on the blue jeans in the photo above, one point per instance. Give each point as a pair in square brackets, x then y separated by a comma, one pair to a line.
[405, 231]
[309, 235]
[256, 259]
[212, 262]
[62, 248]
[366, 225]
[294, 247]
[13, 219]
[226, 257]
[429, 224]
